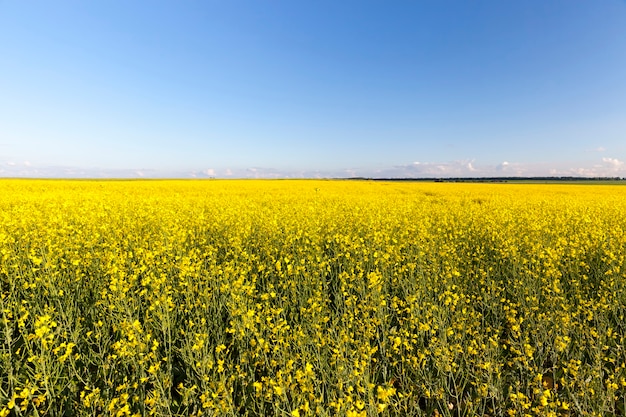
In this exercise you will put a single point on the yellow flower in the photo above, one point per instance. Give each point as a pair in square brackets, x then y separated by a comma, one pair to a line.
[384, 393]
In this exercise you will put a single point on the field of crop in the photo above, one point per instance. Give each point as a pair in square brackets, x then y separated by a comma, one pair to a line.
[311, 298]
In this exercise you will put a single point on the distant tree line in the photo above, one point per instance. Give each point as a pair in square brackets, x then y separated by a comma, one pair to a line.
[495, 179]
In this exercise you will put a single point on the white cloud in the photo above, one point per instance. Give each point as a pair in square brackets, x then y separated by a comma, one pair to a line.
[609, 167]
[613, 163]
[351, 173]
[461, 168]
[600, 149]
[502, 167]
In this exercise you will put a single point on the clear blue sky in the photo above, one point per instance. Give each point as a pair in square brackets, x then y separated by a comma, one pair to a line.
[312, 88]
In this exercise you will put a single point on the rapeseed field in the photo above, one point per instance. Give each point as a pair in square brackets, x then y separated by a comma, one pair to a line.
[311, 298]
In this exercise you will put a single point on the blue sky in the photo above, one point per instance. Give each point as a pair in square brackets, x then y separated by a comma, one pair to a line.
[308, 88]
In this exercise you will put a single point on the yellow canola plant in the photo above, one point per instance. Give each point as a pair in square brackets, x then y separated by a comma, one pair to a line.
[311, 298]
